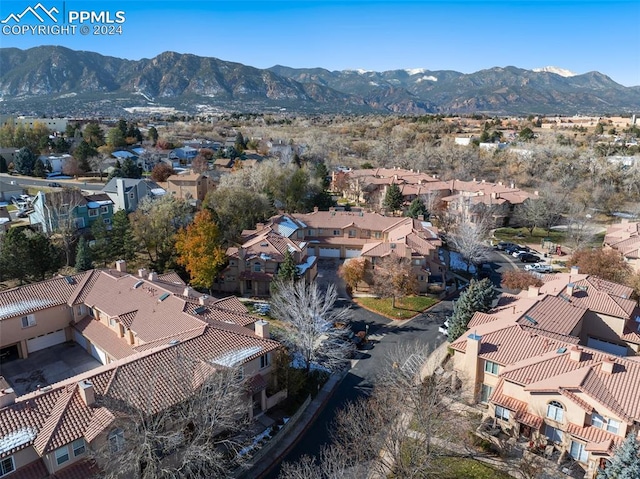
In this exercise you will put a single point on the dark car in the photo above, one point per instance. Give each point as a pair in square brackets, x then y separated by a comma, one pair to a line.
[511, 249]
[503, 245]
[529, 258]
[54, 184]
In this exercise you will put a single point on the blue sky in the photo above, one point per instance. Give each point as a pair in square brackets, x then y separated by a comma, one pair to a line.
[461, 35]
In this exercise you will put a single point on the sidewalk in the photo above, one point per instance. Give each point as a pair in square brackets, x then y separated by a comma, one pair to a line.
[282, 445]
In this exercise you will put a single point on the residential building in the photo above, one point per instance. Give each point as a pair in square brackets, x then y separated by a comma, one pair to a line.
[10, 189]
[190, 186]
[624, 238]
[69, 205]
[557, 366]
[136, 325]
[127, 193]
[330, 234]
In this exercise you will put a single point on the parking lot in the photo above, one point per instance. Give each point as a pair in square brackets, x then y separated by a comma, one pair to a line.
[47, 366]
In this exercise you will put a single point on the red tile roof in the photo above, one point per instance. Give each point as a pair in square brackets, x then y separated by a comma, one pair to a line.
[103, 337]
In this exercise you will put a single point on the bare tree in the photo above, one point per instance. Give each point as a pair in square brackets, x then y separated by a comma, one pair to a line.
[468, 239]
[187, 433]
[62, 219]
[311, 320]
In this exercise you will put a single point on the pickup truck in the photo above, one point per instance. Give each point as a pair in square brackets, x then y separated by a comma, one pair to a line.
[538, 268]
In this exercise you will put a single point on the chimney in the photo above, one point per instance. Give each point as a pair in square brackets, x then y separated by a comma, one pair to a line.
[534, 291]
[575, 270]
[472, 365]
[7, 397]
[87, 392]
[188, 291]
[536, 193]
[121, 265]
[153, 276]
[570, 288]
[262, 329]
[259, 226]
[202, 299]
[142, 272]
[120, 330]
[315, 209]
[575, 353]
[607, 365]
[130, 338]
[420, 217]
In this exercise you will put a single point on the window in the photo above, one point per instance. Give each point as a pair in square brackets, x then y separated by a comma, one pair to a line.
[578, 451]
[555, 411]
[7, 466]
[336, 232]
[310, 232]
[64, 210]
[554, 434]
[112, 322]
[79, 222]
[613, 426]
[106, 221]
[62, 455]
[28, 321]
[257, 267]
[485, 393]
[265, 360]
[104, 210]
[490, 367]
[116, 440]
[300, 234]
[93, 212]
[377, 235]
[597, 420]
[132, 196]
[502, 413]
[78, 447]
[352, 233]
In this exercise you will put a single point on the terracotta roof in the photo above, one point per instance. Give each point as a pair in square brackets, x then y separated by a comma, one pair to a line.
[103, 337]
[171, 277]
[343, 219]
[33, 470]
[596, 436]
[79, 470]
[518, 407]
[34, 297]
[553, 314]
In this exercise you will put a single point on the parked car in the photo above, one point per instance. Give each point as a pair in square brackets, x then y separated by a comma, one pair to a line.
[529, 258]
[503, 245]
[520, 251]
[511, 249]
[539, 268]
[54, 184]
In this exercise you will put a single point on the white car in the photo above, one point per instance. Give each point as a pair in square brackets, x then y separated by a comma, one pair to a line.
[538, 268]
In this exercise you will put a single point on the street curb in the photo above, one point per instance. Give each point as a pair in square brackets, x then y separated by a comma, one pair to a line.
[320, 407]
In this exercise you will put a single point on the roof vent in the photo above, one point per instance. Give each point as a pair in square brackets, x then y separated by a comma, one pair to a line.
[163, 296]
[561, 350]
[530, 319]
[173, 342]
[264, 245]
[138, 284]
[392, 246]
[200, 310]
[69, 280]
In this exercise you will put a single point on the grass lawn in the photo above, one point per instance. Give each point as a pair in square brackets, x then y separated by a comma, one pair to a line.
[521, 235]
[405, 308]
[463, 467]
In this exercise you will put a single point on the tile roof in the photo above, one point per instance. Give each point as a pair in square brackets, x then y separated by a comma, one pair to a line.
[344, 219]
[601, 439]
[553, 314]
[79, 470]
[33, 470]
[103, 337]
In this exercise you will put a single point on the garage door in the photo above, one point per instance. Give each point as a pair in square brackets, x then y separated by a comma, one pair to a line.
[353, 253]
[329, 252]
[46, 341]
[79, 338]
[607, 347]
[99, 354]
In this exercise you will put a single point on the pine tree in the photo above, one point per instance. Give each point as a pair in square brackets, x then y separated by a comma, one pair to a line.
[393, 198]
[288, 270]
[4, 168]
[625, 463]
[478, 296]
[83, 256]
[38, 169]
[417, 208]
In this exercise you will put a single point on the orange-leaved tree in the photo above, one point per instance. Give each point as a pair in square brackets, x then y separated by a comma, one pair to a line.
[200, 251]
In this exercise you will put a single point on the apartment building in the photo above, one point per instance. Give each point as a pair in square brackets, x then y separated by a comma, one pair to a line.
[624, 238]
[335, 234]
[557, 366]
[136, 325]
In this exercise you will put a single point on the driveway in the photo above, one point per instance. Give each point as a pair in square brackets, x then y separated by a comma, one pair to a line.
[47, 366]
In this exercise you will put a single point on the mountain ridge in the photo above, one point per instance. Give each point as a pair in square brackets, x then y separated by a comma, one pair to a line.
[28, 77]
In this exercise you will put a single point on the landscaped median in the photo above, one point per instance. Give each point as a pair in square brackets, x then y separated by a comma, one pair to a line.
[405, 308]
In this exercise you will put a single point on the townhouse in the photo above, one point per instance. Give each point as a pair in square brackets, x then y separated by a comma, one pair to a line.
[624, 238]
[329, 234]
[192, 187]
[127, 193]
[557, 367]
[460, 200]
[136, 325]
[50, 210]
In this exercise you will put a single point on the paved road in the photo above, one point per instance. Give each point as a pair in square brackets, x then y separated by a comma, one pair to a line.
[359, 380]
[26, 181]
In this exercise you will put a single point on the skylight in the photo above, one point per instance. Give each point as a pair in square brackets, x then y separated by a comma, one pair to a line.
[163, 296]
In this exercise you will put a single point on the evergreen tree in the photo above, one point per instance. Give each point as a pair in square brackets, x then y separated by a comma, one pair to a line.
[417, 208]
[153, 135]
[130, 169]
[288, 270]
[24, 161]
[240, 144]
[44, 256]
[393, 198]
[478, 296]
[625, 463]
[83, 256]
[38, 169]
[4, 168]
[15, 257]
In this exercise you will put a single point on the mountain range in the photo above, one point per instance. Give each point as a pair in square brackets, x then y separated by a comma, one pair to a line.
[56, 80]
